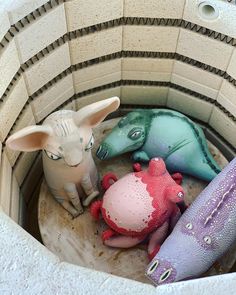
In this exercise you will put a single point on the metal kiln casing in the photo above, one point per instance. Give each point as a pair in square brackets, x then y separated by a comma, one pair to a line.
[67, 54]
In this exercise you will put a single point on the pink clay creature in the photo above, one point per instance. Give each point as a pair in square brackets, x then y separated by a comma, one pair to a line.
[140, 204]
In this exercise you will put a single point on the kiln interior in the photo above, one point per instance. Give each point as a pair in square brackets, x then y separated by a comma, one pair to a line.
[67, 54]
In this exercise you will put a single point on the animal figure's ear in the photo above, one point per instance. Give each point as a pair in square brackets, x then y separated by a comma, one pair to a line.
[29, 139]
[95, 113]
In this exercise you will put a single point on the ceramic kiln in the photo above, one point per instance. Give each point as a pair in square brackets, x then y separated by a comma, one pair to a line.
[66, 54]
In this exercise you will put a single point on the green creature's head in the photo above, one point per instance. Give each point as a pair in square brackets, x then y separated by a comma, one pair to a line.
[128, 135]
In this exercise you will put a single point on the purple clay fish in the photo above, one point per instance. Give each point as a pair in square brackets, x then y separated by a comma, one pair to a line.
[202, 235]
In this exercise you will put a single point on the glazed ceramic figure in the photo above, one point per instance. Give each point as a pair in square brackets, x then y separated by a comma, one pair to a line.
[162, 133]
[138, 204]
[66, 138]
[204, 232]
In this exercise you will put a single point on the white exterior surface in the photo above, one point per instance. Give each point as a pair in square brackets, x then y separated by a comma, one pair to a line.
[29, 268]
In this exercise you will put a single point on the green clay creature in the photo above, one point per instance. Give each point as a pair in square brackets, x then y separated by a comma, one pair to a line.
[162, 133]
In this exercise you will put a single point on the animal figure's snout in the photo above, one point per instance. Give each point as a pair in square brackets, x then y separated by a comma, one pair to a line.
[161, 272]
[73, 156]
[102, 151]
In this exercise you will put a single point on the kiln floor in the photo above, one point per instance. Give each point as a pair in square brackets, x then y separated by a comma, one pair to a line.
[78, 240]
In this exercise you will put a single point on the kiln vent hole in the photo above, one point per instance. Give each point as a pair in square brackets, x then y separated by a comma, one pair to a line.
[207, 11]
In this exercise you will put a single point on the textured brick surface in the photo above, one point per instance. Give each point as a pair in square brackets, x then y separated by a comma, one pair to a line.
[231, 70]
[150, 38]
[9, 65]
[25, 119]
[152, 69]
[42, 32]
[47, 68]
[189, 105]
[196, 79]
[103, 80]
[5, 184]
[15, 199]
[96, 44]
[93, 74]
[227, 97]
[153, 8]
[4, 23]
[52, 98]
[32, 179]
[204, 49]
[144, 95]
[23, 166]
[12, 106]
[223, 125]
[85, 13]
[88, 99]
[17, 9]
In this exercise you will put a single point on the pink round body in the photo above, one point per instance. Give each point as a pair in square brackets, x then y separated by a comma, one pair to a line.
[140, 202]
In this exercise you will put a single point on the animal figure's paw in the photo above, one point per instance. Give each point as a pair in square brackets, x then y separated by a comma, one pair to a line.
[108, 180]
[154, 252]
[95, 209]
[178, 178]
[107, 234]
[89, 198]
[140, 156]
[76, 213]
[137, 167]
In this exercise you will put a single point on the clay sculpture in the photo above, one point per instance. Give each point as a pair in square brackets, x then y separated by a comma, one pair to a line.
[139, 204]
[66, 138]
[162, 133]
[202, 235]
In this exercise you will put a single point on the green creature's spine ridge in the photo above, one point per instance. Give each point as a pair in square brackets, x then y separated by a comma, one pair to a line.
[151, 115]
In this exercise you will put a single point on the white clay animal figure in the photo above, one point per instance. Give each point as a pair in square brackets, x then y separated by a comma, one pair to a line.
[66, 139]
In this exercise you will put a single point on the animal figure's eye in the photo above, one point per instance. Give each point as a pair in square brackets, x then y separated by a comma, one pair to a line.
[122, 122]
[52, 156]
[189, 225]
[135, 134]
[180, 195]
[90, 144]
[153, 267]
[165, 275]
[207, 240]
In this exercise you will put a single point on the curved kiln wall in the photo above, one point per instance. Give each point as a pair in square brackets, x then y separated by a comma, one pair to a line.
[66, 54]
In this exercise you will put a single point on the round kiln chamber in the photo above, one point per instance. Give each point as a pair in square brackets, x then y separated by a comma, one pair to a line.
[67, 54]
